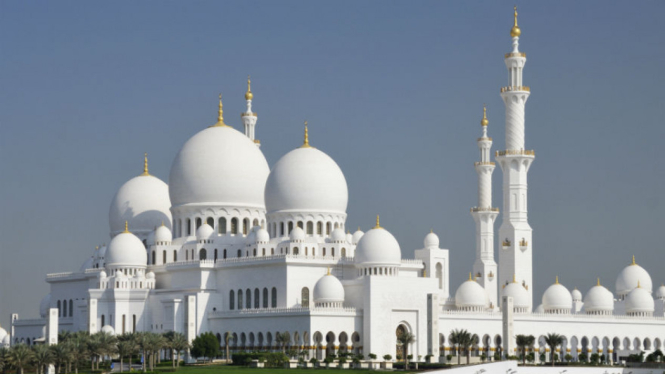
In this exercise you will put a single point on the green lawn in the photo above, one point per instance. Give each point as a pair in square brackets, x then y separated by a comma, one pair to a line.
[217, 369]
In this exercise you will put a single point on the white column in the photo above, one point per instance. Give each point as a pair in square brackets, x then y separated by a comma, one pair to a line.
[51, 337]
[508, 338]
[92, 316]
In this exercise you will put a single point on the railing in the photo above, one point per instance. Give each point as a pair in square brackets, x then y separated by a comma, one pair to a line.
[515, 88]
[237, 260]
[488, 163]
[294, 310]
[486, 138]
[514, 152]
[549, 316]
[27, 322]
[485, 209]
[515, 54]
[93, 270]
[412, 261]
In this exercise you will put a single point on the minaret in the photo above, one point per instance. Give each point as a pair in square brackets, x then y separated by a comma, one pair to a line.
[484, 214]
[515, 256]
[249, 117]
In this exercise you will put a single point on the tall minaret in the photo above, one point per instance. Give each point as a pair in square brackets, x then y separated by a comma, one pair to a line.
[484, 214]
[249, 117]
[515, 233]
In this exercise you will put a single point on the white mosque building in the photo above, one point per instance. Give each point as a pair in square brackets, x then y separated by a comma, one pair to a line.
[231, 245]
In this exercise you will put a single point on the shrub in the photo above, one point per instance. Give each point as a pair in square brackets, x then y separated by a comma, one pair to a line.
[372, 356]
[387, 357]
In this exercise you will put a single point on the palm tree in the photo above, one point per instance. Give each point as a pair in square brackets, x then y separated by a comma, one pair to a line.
[283, 338]
[61, 355]
[41, 356]
[94, 350]
[177, 342]
[3, 358]
[19, 356]
[143, 343]
[524, 341]
[108, 344]
[126, 348]
[227, 338]
[469, 341]
[457, 338]
[155, 344]
[78, 344]
[553, 340]
[405, 339]
[64, 335]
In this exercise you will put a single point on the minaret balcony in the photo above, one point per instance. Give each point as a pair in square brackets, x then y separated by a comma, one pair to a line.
[487, 163]
[484, 209]
[515, 54]
[251, 114]
[515, 88]
[515, 152]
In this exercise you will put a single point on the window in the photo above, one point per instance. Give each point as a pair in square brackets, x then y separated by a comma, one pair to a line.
[234, 226]
[180, 228]
[332, 250]
[274, 298]
[124, 322]
[300, 224]
[245, 226]
[198, 223]
[175, 255]
[324, 251]
[64, 308]
[154, 257]
[239, 299]
[134, 323]
[163, 257]
[232, 300]
[328, 228]
[210, 221]
[343, 252]
[224, 255]
[239, 253]
[319, 228]
[248, 299]
[290, 227]
[71, 308]
[189, 227]
[265, 297]
[281, 228]
[310, 228]
[295, 250]
[304, 295]
[103, 321]
[203, 254]
[254, 252]
[257, 300]
[255, 223]
[264, 251]
[215, 258]
[186, 255]
[272, 251]
[221, 226]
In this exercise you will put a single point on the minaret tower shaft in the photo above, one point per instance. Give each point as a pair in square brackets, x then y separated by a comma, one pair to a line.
[485, 215]
[515, 255]
[248, 117]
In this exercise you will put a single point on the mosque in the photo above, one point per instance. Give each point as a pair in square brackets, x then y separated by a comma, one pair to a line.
[231, 246]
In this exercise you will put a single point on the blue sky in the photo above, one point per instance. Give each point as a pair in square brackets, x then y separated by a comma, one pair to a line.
[393, 91]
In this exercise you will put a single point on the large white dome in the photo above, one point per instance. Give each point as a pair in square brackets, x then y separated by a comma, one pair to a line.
[306, 180]
[639, 300]
[328, 290]
[630, 276]
[598, 299]
[471, 294]
[378, 247]
[124, 250]
[219, 166]
[142, 201]
[557, 297]
[518, 293]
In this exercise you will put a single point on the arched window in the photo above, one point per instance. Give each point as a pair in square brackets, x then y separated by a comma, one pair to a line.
[245, 226]
[240, 299]
[319, 228]
[179, 227]
[301, 225]
[314, 251]
[175, 255]
[71, 308]
[103, 321]
[336, 225]
[221, 225]
[189, 227]
[239, 253]
[224, 255]
[154, 257]
[248, 299]
[215, 258]
[198, 222]
[264, 252]
[134, 323]
[186, 255]
[164, 256]
[295, 250]
[343, 252]
[265, 298]
[290, 228]
[234, 226]
[310, 228]
[332, 250]
[327, 228]
[255, 223]
[59, 309]
[210, 221]
[203, 254]
[272, 251]
[254, 252]
[274, 298]
[306, 251]
[281, 228]
[257, 300]
[304, 295]
[324, 251]
[64, 308]
[232, 300]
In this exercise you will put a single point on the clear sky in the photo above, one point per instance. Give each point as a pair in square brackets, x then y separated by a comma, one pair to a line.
[393, 91]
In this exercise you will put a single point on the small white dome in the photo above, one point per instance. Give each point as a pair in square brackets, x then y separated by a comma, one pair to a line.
[297, 234]
[557, 297]
[107, 329]
[144, 202]
[378, 247]
[598, 299]
[124, 250]
[204, 232]
[539, 309]
[163, 234]
[349, 238]
[150, 275]
[518, 293]
[102, 274]
[306, 180]
[87, 264]
[431, 240]
[44, 306]
[630, 276]
[356, 236]
[576, 294]
[338, 236]
[219, 166]
[262, 236]
[328, 290]
[639, 300]
[471, 294]
[660, 292]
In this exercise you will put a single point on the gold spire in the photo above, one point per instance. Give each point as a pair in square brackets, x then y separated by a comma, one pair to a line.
[514, 281]
[305, 144]
[597, 281]
[358, 228]
[515, 31]
[556, 281]
[248, 94]
[638, 284]
[484, 121]
[126, 227]
[220, 114]
[145, 164]
[162, 223]
[470, 276]
[378, 226]
[328, 270]
[634, 263]
[431, 231]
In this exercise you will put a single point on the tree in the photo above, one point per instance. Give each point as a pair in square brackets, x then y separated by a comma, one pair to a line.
[553, 340]
[41, 356]
[19, 356]
[524, 341]
[61, 355]
[227, 340]
[155, 344]
[126, 348]
[387, 357]
[108, 344]
[78, 347]
[468, 343]
[4, 352]
[283, 339]
[404, 339]
[205, 345]
[461, 339]
[177, 343]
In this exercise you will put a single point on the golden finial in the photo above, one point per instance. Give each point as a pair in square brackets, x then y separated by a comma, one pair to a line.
[358, 228]
[597, 281]
[431, 231]
[126, 226]
[305, 144]
[470, 276]
[634, 263]
[378, 226]
[97, 247]
[145, 164]
[484, 121]
[556, 281]
[514, 281]
[162, 223]
[638, 284]
[328, 270]
[248, 94]
[220, 114]
[515, 31]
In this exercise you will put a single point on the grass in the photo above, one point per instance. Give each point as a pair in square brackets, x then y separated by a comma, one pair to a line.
[218, 369]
